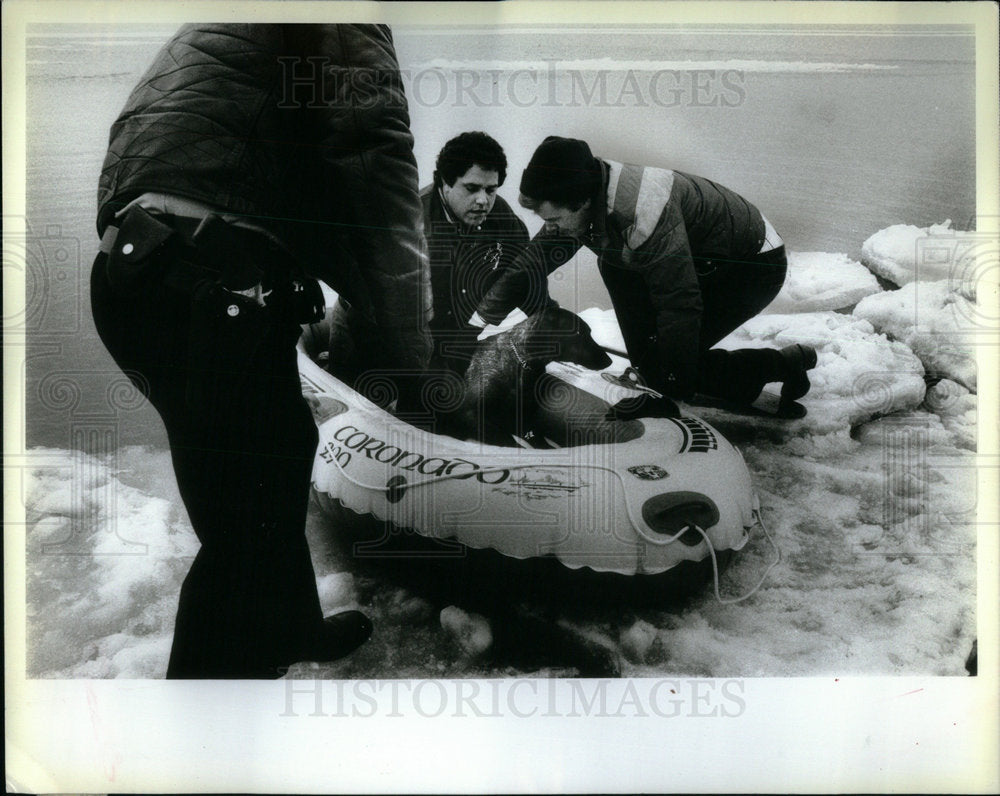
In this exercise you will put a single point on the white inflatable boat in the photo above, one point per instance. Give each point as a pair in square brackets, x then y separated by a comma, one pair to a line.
[666, 492]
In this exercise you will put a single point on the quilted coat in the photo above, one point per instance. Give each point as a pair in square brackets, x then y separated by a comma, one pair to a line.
[302, 129]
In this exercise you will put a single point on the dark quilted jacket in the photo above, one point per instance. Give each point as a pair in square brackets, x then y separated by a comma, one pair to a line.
[304, 129]
[465, 263]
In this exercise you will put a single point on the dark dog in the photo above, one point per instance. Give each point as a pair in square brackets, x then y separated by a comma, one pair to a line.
[501, 385]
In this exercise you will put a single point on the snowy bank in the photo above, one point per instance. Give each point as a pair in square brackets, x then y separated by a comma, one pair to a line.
[904, 253]
[932, 318]
[819, 281]
[106, 558]
[859, 374]
[878, 575]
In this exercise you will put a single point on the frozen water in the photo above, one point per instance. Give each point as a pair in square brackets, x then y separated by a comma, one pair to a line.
[822, 281]
[904, 253]
[933, 319]
[871, 498]
[103, 585]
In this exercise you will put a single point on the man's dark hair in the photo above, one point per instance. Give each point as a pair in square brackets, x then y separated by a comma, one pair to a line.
[562, 171]
[465, 151]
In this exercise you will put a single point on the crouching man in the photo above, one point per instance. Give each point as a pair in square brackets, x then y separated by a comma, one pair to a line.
[222, 196]
[473, 237]
[686, 261]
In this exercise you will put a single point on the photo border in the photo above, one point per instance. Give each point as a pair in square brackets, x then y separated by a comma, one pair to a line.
[917, 734]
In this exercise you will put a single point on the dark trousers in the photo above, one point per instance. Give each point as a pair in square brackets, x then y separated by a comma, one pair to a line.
[242, 442]
[732, 294]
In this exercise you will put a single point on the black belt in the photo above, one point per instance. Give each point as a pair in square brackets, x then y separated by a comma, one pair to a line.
[236, 258]
[241, 257]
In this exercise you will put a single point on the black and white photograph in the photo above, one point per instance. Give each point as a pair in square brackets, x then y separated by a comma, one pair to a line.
[511, 386]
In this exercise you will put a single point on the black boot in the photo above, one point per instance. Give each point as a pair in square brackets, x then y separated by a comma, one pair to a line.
[339, 635]
[797, 359]
[739, 376]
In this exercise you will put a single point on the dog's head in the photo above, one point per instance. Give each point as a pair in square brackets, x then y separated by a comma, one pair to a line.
[571, 337]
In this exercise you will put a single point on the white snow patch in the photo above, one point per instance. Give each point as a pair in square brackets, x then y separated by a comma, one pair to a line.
[638, 640]
[336, 592]
[470, 631]
[904, 253]
[822, 281]
[105, 564]
[956, 407]
[604, 327]
[933, 319]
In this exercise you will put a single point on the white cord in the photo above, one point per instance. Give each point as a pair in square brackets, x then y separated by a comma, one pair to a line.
[505, 468]
[715, 564]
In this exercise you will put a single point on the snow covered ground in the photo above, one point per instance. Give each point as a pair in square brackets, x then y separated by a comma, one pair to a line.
[871, 498]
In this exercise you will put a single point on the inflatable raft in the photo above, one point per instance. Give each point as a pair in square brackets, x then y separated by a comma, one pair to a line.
[665, 494]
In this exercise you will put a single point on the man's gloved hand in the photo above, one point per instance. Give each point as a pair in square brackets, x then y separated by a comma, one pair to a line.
[644, 405]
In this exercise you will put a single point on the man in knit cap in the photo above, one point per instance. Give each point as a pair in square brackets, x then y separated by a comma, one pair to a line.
[685, 260]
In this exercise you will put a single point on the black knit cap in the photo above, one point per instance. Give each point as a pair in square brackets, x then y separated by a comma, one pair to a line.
[562, 171]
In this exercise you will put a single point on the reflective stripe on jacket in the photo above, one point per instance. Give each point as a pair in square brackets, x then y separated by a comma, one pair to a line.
[654, 230]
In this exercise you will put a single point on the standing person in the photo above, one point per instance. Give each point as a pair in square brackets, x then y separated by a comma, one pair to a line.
[249, 160]
[686, 261]
[473, 236]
